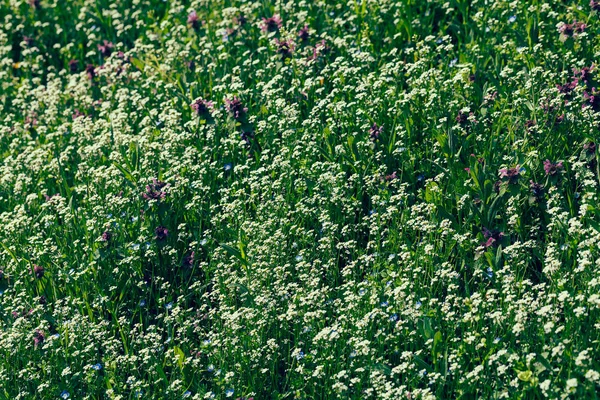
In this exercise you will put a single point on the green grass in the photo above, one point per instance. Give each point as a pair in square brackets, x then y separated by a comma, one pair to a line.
[375, 218]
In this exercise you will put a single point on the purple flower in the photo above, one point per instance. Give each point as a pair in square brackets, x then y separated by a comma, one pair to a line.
[585, 74]
[161, 233]
[235, 107]
[155, 191]
[38, 338]
[193, 20]
[105, 48]
[492, 237]
[73, 66]
[272, 24]
[90, 70]
[570, 30]
[511, 173]
[552, 168]
[38, 271]
[375, 132]
[590, 148]
[285, 48]
[592, 99]
[595, 5]
[462, 118]
[106, 236]
[568, 87]
[303, 33]
[188, 260]
[202, 108]
[536, 189]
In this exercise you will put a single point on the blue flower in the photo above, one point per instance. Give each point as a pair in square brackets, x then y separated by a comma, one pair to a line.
[393, 317]
[228, 167]
[210, 368]
[229, 392]
[418, 305]
[65, 395]
[512, 18]
[187, 394]
[142, 303]
[97, 367]
[169, 305]
[300, 356]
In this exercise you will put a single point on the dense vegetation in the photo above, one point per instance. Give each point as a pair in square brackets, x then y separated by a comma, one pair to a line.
[354, 199]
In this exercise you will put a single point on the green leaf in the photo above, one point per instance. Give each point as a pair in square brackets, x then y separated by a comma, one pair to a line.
[139, 64]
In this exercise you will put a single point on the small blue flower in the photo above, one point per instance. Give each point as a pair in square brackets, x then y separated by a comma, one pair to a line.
[497, 340]
[187, 394]
[203, 242]
[512, 18]
[97, 367]
[361, 292]
[210, 368]
[300, 356]
[139, 393]
[142, 303]
[228, 167]
[65, 395]
[353, 354]
[453, 62]
[384, 304]
[206, 342]
[299, 258]
[229, 392]
[393, 317]
[135, 246]
[169, 305]
[489, 272]
[418, 305]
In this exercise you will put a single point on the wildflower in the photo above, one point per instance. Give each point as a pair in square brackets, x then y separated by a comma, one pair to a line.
[142, 303]
[161, 233]
[155, 191]
[235, 107]
[105, 48]
[304, 34]
[193, 20]
[106, 236]
[38, 270]
[595, 5]
[585, 74]
[38, 338]
[492, 237]
[202, 108]
[512, 18]
[536, 189]
[568, 87]
[272, 24]
[188, 260]
[90, 70]
[240, 20]
[187, 394]
[375, 132]
[592, 99]
[511, 173]
[320, 48]
[462, 118]
[391, 177]
[285, 48]
[229, 392]
[552, 168]
[228, 167]
[97, 367]
[64, 394]
[571, 30]
[73, 66]
[529, 125]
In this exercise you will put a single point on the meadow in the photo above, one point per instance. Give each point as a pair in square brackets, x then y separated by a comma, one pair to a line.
[299, 199]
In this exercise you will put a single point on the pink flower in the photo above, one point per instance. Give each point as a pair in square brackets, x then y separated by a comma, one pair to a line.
[552, 168]
[272, 24]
